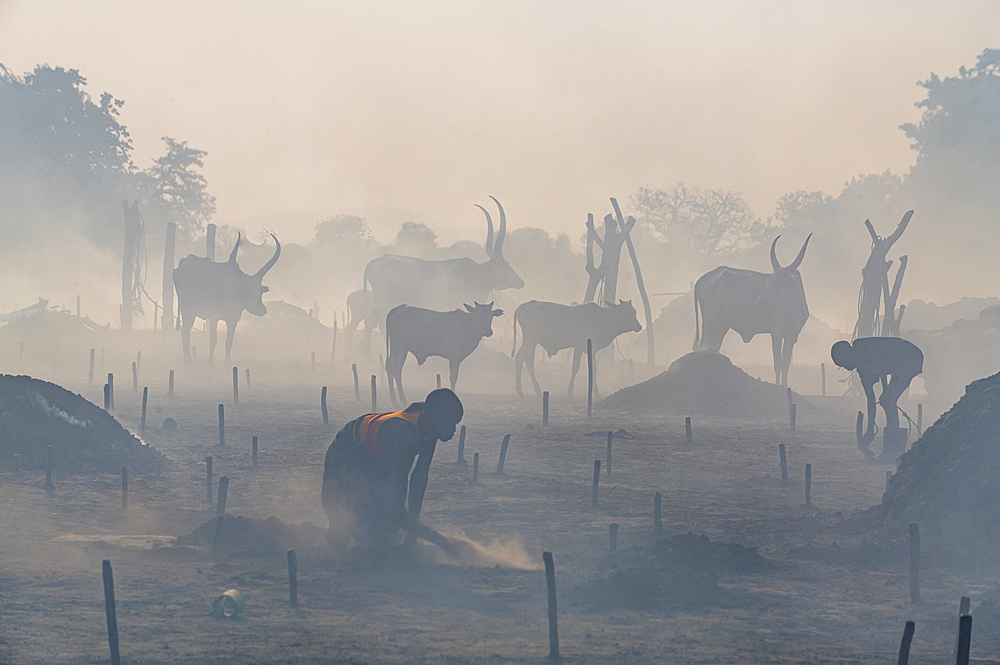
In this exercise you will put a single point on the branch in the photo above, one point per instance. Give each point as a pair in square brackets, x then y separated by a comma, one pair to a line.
[871, 230]
[899, 230]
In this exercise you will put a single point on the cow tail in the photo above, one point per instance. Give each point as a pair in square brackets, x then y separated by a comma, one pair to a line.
[515, 334]
[697, 331]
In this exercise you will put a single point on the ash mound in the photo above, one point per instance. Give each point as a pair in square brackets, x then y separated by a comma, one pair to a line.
[679, 573]
[243, 536]
[35, 414]
[704, 382]
[947, 481]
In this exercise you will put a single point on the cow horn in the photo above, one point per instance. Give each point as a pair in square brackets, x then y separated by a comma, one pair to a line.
[232, 255]
[489, 230]
[802, 252]
[498, 245]
[274, 259]
[774, 258]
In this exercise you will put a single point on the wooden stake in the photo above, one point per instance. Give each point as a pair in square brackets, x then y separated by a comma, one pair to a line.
[657, 515]
[461, 446]
[791, 422]
[374, 395]
[475, 468]
[809, 480]
[914, 547]
[613, 537]
[860, 428]
[439, 382]
[333, 350]
[170, 384]
[48, 469]
[220, 505]
[312, 362]
[791, 409]
[90, 374]
[107, 398]
[688, 434]
[964, 639]
[590, 378]
[597, 478]
[236, 385]
[904, 645]
[822, 371]
[208, 478]
[503, 454]
[254, 452]
[293, 579]
[784, 464]
[145, 399]
[920, 416]
[607, 468]
[111, 391]
[110, 612]
[545, 408]
[78, 304]
[124, 488]
[357, 391]
[135, 378]
[322, 405]
[249, 385]
[550, 581]
[222, 425]
[963, 608]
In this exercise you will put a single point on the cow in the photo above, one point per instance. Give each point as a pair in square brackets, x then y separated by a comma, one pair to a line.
[558, 327]
[441, 285]
[753, 303]
[423, 332]
[215, 291]
[359, 308]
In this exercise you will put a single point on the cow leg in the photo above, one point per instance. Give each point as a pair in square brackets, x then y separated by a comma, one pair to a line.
[213, 338]
[453, 366]
[394, 370]
[529, 360]
[786, 360]
[230, 333]
[777, 356]
[186, 338]
[577, 354]
[349, 329]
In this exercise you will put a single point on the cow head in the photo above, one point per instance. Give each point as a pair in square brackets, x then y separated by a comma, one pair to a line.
[784, 289]
[626, 316]
[482, 316]
[255, 301]
[503, 275]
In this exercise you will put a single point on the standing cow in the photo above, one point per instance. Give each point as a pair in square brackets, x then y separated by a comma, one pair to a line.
[423, 332]
[218, 291]
[440, 285]
[558, 327]
[753, 303]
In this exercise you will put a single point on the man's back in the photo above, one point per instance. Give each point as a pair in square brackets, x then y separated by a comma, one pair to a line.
[878, 356]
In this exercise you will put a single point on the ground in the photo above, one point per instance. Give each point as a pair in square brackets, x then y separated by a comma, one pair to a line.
[816, 603]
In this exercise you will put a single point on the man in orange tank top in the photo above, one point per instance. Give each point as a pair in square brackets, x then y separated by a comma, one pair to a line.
[367, 476]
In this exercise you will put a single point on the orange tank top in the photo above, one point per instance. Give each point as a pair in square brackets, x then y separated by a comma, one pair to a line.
[367, 433]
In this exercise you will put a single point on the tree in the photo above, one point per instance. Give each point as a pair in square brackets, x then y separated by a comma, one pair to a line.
[341, 230]
[417, 239]
[175, 191]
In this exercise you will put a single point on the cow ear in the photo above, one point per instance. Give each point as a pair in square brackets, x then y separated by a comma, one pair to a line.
[467, 307]
[497, 312]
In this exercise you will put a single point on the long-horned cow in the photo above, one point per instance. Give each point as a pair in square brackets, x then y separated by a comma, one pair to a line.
[753, 303]
[558, 327]
[218, 291]
[424, 333]
[441, 285]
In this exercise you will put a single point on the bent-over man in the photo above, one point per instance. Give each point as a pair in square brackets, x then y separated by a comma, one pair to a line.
[877, 359]
[367, 468]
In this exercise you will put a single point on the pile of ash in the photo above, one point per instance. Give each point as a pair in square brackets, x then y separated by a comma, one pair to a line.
[679, 573]
[35, 414]
[243, 536]
[708, 383]
[947, 481]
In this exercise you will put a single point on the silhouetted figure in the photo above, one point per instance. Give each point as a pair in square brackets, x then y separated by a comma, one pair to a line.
[877, 359]
[368, 463]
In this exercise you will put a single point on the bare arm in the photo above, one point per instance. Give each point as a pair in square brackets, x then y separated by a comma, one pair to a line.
[418, 480]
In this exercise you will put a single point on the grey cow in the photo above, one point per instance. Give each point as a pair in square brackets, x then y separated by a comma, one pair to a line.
[424, 333]
[218, 291]
[558, 327]
[753, 303]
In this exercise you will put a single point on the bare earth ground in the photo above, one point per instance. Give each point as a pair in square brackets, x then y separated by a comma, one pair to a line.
[407, 609]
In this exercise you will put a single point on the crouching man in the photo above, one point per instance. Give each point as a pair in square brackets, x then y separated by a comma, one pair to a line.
[877, 359]
[367, 468]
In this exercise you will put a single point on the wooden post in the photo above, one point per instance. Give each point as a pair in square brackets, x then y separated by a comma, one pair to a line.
[168, 278]
[145, 400]
[78, 304]
[170, 384]
[135, 378]
[374, 395]
[791, 422]
[688, 434]
[293, 579]
[545, 408]
[613, 537]
[110, 612]
[914, 547]
[439, 382]
[475, 468]
[657, 515]
[791, 409]
[597, 478]
[236, 386]
[904, 645]
[222, 425]
[249, 385]
[210, 242]
[809, 479]
[607, 468]
[784, 464]
[357, 391]
[964, 639]
[124, 488]
[107, 398]
[255, 452]
[550, 581]
[503, 454]
[322, 405]
[111, 391]
[461, 446]
[920, 416]
[333, 350]
[860, 429]
[963, 608]
[220, 505]
[208, 478]
[312, 362]
[48, 469]
[90, 374]
[822, 371]
[590, 378]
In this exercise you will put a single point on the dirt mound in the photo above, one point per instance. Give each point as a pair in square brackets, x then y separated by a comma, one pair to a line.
[947, 481]
[252, 537]
[708, 383]
[35, 414]
[679, 573]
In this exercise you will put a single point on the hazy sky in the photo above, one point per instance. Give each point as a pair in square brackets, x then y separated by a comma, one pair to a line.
[415, 111]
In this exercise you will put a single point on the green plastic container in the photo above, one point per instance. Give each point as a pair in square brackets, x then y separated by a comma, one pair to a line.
[228, 604]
